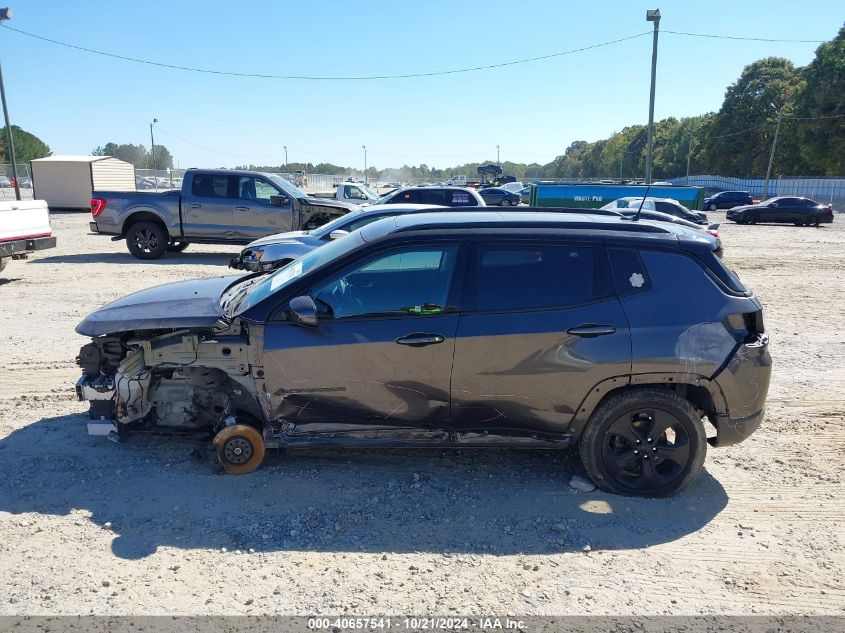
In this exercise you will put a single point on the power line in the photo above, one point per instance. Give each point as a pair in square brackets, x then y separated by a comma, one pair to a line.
[744, 38]
[814, 118]
[756, 127]
[325, 78]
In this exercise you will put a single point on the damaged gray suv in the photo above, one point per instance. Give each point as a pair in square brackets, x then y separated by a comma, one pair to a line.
[629, 339]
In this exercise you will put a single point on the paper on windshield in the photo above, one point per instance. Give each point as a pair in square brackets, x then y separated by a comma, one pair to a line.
[286, 274]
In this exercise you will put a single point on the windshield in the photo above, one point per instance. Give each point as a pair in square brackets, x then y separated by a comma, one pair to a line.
[386, 197]
[337, 223]
[287, 186]
[768, 201]
[370, 191]
[266, 285]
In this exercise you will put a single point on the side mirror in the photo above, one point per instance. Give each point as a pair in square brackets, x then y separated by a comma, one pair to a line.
[279, 201]
[303, 310]
[337, 234]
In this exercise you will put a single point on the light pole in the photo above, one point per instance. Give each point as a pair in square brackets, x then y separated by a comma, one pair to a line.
[652, 15]
[286, 157]
[153, 152]
[6, 14]
[364, 147]
[772, 154]
[498, 162]
[689, 154]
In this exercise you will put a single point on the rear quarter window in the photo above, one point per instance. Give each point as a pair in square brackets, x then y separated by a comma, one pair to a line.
[629, 273]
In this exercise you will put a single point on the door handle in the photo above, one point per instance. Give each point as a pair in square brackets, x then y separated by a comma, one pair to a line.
[194, 205]
[420, 340]
[589, 331]
[241, 208]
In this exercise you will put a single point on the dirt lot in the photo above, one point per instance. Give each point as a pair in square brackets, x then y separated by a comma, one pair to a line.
[93, 527]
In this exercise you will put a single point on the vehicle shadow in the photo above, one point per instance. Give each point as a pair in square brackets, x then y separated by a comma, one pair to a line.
[217, 258]
[494, 501]
[8, 280]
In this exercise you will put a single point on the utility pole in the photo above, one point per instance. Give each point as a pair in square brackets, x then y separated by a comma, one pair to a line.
[689, 155]
[6, 14]
[286, 157]
[621, 160]
[364, 147]
[772, 156]
[498, 162]
[652, 15]
[153, 152]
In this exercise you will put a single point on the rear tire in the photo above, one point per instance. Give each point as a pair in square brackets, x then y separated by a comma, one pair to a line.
[146, 240]
[504, 203]
[177, 247]
[752, 218]
[645, 442]
[714, 206]
[814, 221]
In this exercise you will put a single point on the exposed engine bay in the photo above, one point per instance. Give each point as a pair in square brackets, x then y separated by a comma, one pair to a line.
[181, 382]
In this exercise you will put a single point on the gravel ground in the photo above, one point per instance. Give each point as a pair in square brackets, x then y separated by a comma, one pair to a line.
[142, 528]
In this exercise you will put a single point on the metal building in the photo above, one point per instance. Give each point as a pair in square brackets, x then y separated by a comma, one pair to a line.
[66, 182]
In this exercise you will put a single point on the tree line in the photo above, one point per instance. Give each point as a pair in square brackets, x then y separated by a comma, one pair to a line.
[138, 155]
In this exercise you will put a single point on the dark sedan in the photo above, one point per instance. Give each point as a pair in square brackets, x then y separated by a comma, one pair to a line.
[792, 210]
[500, 197]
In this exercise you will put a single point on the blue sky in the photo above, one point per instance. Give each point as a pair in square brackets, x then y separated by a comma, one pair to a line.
[75, 100]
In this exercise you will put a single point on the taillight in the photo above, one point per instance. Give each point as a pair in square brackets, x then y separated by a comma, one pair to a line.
[97, 206]
[713, 233]
[746, 327]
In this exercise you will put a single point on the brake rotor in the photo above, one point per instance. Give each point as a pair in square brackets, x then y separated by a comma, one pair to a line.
[240, 448]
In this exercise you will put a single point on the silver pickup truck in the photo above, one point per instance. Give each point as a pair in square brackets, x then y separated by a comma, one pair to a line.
[214, 206]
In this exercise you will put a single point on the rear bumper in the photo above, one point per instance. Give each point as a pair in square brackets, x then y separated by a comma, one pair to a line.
[27, 245]
[744, 383]
[94, 227]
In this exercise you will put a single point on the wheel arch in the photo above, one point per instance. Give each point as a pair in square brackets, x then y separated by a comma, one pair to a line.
[702, 393]
[143, 216]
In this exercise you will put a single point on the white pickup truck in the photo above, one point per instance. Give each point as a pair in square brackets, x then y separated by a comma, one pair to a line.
[24, 228]
[352, 192]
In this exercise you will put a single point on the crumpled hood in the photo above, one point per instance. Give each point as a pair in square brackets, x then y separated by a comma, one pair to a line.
[275, 239]
[330, 202]
[192, 303]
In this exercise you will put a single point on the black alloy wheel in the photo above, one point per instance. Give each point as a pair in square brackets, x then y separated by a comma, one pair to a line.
[146, 240]
[647, 442]
[646, 449]
[752, 218]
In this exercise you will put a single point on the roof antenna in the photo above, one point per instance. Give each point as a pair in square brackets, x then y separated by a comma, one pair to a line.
[642, 202]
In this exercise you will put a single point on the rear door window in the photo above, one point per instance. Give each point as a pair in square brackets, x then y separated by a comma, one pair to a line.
[213, 186]
[534, 276]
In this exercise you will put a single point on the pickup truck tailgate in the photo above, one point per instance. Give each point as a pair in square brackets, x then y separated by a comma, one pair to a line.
[21, 219]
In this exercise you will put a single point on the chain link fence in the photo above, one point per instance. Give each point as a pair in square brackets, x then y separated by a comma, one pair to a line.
[7, 190]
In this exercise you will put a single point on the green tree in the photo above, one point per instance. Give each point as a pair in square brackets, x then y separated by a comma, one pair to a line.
[820, 131]
[742, 131]
[27, 146]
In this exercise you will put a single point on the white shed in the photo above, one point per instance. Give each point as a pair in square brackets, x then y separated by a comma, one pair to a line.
[66, 182]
